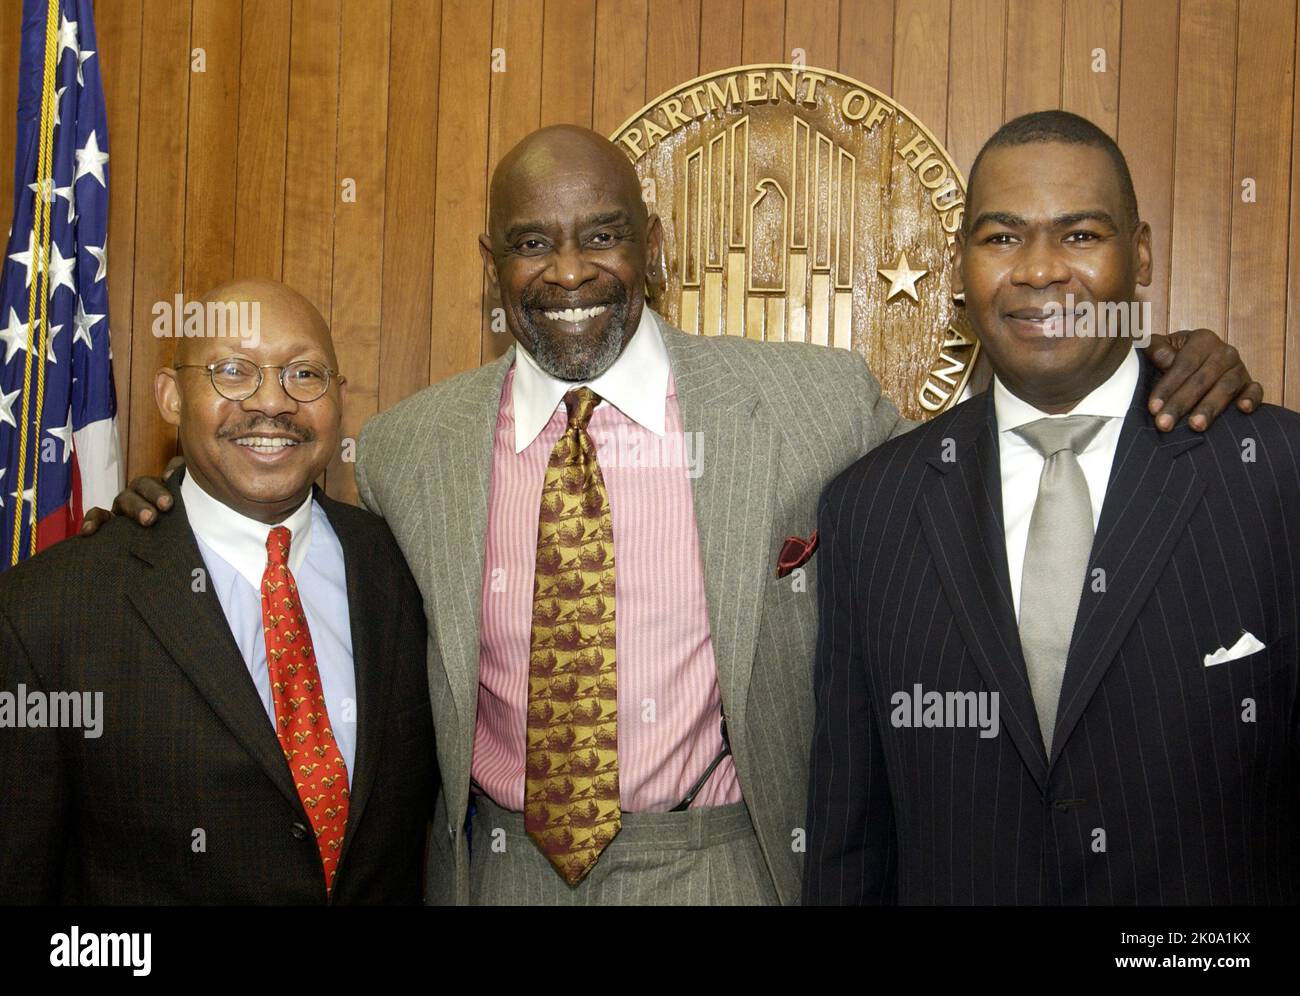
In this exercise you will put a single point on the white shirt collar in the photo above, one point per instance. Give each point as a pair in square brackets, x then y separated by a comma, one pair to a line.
[1110, 399]
[239, 540]
[636, 384]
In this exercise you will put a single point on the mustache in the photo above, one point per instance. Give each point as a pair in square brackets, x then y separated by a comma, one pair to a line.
[278, 424]
[536, 300]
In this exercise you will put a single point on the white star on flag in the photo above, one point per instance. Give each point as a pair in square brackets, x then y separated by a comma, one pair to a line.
[7, 408]
[81, 61]
[61, 271]
[90, 161]
[48, 191]
[64, 435]
[28, 258]
[67, 37]
[101, 255]
[14, 337]
[84, 324]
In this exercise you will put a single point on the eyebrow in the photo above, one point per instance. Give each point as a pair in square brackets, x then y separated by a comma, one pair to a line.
[1060, 221]
[619, 217]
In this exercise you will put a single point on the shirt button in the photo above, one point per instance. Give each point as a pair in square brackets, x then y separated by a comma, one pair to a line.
[299, 831]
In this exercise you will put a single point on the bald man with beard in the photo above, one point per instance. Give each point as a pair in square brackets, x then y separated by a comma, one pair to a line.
[254, 717]
[612, 529]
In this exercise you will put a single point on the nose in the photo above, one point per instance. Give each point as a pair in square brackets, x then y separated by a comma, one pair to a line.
[569, 268]
[1039, 264]
[270, 398]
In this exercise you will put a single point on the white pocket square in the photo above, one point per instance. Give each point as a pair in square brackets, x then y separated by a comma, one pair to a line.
[1244, 647]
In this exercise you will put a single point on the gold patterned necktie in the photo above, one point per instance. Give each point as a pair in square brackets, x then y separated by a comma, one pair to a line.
[571, 804]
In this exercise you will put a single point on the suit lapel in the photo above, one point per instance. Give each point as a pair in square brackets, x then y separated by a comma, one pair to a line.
[737, 452]
[371, 659]
[1153, 489]
[961, 514]
[457, 484]
[193, 629]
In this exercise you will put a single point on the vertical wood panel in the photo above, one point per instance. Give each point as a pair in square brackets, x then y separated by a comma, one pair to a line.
[1257, 275]
[408, 198]
[118, 30]
[921, 60]
[159, 219]
[459, 199]
[1092, 39]
[515, 109]
[1291, 385]
[311, 188]
[672, 47]
[762, 32]
[213, 118]
[721, 22]
[359, 225]
[1148, 92]
[620, 71]
[1033, 56]
[263, 125]
[568, 56]
[816, 30]
[1198, 278]
[11, 23]
[975, 75]
[867, 42]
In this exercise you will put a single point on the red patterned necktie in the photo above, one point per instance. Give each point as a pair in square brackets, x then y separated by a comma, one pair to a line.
[301, 720]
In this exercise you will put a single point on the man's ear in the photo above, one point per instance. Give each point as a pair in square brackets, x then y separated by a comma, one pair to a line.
[1142, 235]
[954, 254]
[654, 242]
[167, 395]
[489, 260]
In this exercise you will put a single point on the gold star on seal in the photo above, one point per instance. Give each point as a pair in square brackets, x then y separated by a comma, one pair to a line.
[902, 278]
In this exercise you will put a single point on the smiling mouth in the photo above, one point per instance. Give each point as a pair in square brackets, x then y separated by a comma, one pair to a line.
[266, 444]
[575, 315]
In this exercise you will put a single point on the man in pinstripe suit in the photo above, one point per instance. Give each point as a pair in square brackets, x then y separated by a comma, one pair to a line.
[1095, 700]
[705, 629]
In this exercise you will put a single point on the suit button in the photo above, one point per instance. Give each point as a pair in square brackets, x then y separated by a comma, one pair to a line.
[299, 831]
[451, 833]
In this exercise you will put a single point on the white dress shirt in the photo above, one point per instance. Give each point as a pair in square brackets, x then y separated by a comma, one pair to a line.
[1022, 465]
[636, 384]
[234, 549]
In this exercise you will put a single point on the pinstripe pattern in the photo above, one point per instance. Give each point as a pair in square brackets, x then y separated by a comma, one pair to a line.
[778, 421]
[186, 741]
[1195, 804]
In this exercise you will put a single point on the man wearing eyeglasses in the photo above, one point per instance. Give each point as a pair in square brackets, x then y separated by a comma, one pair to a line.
[254, 714]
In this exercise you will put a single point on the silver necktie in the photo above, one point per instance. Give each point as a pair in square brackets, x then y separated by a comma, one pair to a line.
[1056, 557]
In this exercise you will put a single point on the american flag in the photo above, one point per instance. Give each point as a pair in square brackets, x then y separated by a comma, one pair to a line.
[73, 455]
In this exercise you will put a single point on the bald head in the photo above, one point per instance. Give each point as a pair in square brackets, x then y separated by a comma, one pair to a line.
[249, 439]
[561, 150]
[570, 247]
[278, 307]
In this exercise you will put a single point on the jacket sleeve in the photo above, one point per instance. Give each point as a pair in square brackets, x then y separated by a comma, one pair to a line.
[850, 826]
[33, 786]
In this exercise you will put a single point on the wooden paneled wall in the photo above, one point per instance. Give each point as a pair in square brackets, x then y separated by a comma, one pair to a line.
[241, 168]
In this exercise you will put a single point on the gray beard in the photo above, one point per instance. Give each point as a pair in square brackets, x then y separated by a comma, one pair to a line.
[585, 364]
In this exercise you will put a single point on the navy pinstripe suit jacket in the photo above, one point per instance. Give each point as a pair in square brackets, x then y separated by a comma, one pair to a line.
[1169, 781]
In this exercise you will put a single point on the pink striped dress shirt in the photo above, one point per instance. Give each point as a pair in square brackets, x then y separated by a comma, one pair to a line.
[669, 705]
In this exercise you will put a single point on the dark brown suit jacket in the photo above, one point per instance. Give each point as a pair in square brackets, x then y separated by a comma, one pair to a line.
[185, 797]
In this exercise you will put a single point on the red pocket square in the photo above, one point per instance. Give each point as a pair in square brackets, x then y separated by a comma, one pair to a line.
[795, 552]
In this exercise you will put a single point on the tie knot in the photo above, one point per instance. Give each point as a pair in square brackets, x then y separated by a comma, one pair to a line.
[277, 545]
[1050, 436]
[580, 404]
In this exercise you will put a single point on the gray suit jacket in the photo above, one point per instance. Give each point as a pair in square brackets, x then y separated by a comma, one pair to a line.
[778, 421]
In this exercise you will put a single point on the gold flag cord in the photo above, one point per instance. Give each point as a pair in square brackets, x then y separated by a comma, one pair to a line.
[41, 247]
